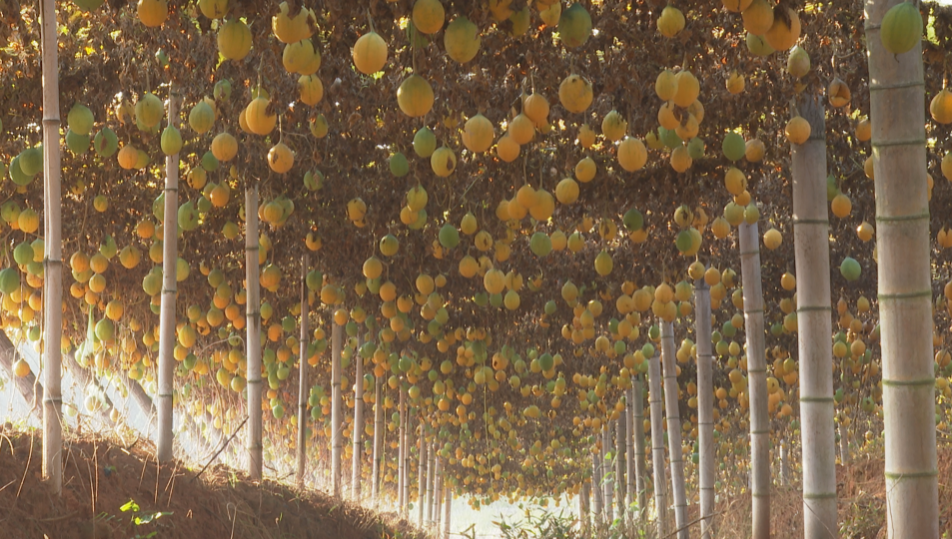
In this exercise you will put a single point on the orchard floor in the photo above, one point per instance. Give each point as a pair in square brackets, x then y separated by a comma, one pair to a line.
[100, 477]
[861, 492]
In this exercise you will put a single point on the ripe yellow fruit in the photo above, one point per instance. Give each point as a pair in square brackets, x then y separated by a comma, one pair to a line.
[536, 107]
[864, 130]
[585, 170]
[234, 40]
[666, 85]
[259, 117]
[781, 35]
[128, 156]
[632, 154]
[666, 116]
[688, 89]
[736, 82]
[772, 239]
[443, 162]
[567, 191]
[507, 149]
[941, 107]
[521, 129]
[310, 89]
[370, 53]
[224, 147]
[865, 231]
[680, 159]
[614, 126]
[758, 17]
[671, 21]
[428, 16]
[797, 130]
[575, 93]
[415, 96]
[841, 205]
[735, 181]
[280, 158]
[152, 13]
[478, 134]
[947, 166]
[839, 93]
[754, 150]
[603, 263]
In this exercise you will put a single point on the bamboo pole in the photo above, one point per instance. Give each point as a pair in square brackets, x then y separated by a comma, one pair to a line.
[630, 492]
[432, 471]
[657, 441]
[406, 463]
[303, 392]
[673, 415]
[844, 445]
[897, 113]
[166, 361]
[337, 438]
[53, 256]
[421, 475]
[584, 505]
[641, 468]
[784, 463]
[401, 450]
[705, 406]
[253, 314]
[757, 380]
[447, 511]
[621, 428]
[597, 490]
[812, 251]
[607, 473]
[378, 441]
[358, 424]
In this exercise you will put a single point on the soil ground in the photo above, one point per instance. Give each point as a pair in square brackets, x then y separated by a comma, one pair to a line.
[100, 477]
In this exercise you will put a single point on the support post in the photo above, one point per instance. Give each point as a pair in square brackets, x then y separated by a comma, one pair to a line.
[253, 314]
[52, 257]
[337, 417]
[358, 429]
[303, 392]
[705, 405]
[673, 414]
[757, 380]
[166, 361]
[657, 442]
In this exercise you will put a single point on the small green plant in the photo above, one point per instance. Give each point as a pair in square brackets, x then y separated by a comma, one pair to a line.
[140, 518]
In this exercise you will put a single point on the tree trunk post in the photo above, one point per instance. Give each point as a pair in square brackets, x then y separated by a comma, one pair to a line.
[253, 313]
[897, 113]
[641, 468]
[584, 504]
[757, 380]
[53, 256]
[447, 511]
[705, 406]
[673, 415]
[657, 441]
[401, 449]
[378, 441]
[337, 416]
[421, 475]
[166, 361]
[598, 493]
[607, 473]
[621, 429]
[358, 423]
[303, 392]
[814, 327]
